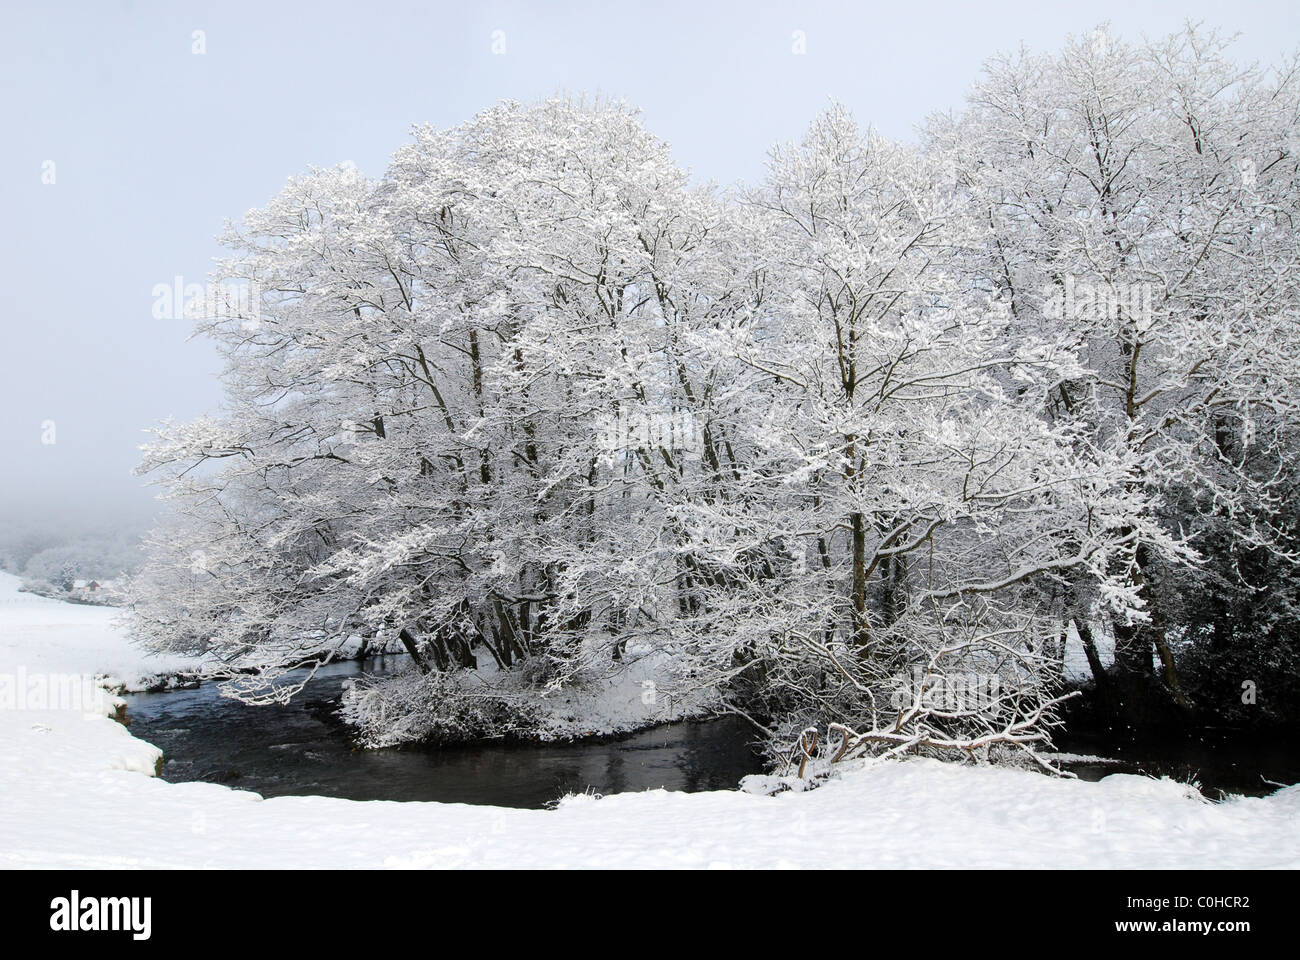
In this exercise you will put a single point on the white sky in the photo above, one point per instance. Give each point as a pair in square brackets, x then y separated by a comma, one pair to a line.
[155, 146]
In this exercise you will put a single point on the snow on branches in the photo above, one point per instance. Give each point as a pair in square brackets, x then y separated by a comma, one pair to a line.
[533, 407]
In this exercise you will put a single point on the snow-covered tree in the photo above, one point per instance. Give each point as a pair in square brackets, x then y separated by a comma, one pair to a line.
[895, 496]
[1139, 205]
[848, 449]
[431, 424]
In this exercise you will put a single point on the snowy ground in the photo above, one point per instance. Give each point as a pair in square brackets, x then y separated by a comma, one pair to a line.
[78, 791]
[47, 636]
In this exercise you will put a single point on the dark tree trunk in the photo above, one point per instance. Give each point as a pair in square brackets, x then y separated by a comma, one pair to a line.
[413, 648]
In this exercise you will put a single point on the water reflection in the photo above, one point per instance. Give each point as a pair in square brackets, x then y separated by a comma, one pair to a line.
[302, 748]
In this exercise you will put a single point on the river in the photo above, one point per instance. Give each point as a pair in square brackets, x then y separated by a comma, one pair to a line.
[303, 748]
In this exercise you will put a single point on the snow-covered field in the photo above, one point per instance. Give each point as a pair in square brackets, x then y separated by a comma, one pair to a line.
[78, 791]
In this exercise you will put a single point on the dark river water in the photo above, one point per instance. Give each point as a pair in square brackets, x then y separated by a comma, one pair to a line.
[1222, 762]
[303, 748]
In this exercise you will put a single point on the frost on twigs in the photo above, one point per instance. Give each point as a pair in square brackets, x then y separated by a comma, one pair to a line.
[853, 448]
[439, 708]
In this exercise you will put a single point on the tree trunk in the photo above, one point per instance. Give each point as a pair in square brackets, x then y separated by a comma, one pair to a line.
[413, 649]
[1171, 670]
[861, 631]
[1090, 651]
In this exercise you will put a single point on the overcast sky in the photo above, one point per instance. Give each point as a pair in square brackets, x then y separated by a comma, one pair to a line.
[153, 145]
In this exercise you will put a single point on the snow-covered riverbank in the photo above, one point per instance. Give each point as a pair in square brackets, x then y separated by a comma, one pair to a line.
[78, 791]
